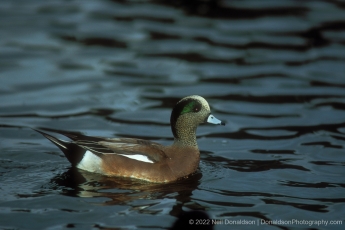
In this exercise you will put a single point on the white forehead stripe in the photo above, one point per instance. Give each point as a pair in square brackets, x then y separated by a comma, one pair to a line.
[138, 157]
[199, 98]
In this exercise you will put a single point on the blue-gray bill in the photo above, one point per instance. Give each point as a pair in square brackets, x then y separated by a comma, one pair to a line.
[212, 120]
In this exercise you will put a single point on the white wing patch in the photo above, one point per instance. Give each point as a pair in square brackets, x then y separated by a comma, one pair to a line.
[90, 162]
[138, 157]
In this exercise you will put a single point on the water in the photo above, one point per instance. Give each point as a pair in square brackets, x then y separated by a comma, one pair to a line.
[274, 70]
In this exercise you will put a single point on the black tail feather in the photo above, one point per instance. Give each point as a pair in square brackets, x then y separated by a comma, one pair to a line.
[75, 136]
[73, 152]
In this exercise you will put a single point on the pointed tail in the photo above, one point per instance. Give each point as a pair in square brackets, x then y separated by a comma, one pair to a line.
[73, 152]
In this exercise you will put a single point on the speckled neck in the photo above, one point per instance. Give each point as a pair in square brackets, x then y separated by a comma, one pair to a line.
[185, 132]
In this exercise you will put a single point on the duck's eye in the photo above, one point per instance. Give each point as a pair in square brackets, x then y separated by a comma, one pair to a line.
[197, 108]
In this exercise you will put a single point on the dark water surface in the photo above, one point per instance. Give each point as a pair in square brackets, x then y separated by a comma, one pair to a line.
[274, 70]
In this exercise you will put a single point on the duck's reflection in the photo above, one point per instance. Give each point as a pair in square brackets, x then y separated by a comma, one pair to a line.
[75, 182]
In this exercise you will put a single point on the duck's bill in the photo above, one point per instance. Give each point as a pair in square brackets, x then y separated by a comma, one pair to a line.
[212, 120]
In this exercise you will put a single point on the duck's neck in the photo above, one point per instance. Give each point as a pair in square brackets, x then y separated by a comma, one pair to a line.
[185, 136]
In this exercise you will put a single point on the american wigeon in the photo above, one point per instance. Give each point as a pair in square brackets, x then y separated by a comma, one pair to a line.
[141, 159]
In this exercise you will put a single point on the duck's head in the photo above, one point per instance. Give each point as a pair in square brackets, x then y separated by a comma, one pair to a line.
[187, 114]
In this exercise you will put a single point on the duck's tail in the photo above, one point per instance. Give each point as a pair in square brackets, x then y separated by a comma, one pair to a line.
[72, 151]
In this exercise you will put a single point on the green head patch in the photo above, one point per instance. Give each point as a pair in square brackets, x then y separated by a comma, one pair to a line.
[192, 106]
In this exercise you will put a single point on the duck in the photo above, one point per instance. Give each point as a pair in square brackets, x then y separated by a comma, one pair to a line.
[139, 158]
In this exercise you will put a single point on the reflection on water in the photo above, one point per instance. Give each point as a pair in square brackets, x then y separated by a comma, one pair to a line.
[274, 70]
[119, 190]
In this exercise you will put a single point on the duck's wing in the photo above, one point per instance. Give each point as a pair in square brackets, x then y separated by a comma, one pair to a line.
[137, 149]
[81, 145]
